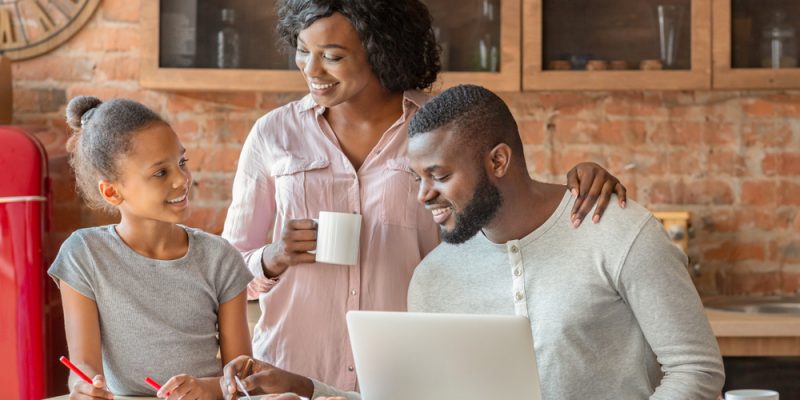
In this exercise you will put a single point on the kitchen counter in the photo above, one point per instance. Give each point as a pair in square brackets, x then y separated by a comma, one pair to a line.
[253, 314]
[741, 334]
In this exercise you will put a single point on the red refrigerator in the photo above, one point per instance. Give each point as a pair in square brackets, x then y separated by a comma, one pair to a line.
[23, 202]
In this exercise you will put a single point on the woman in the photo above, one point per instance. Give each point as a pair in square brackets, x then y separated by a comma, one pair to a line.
[343, 148]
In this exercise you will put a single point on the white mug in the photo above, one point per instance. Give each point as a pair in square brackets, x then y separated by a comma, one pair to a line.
[751, 394]
[338, 236]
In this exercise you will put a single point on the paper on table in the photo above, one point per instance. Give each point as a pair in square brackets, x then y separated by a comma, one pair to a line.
[66, 397]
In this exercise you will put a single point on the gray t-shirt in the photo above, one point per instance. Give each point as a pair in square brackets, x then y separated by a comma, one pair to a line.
[613, 311]
[158, 318]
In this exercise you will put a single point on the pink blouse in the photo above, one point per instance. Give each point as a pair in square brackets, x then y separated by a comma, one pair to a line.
[292, 167]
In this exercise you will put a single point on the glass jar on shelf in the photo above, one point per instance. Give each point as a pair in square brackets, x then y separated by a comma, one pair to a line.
[443, 40]
[228, 41]
[778, 42]
[670, 23]
[178, 38]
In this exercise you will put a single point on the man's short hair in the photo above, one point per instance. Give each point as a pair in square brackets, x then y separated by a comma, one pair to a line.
[479, 117]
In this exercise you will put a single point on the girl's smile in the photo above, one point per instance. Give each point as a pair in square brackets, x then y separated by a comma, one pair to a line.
[155, 180]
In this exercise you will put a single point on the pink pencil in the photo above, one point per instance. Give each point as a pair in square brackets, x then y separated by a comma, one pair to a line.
[75, 369]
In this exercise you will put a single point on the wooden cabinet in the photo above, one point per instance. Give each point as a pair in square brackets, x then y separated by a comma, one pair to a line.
[613, 44]
[480, 38]
[512, 45]
[752, 36]
[262, 66]
[463, 54]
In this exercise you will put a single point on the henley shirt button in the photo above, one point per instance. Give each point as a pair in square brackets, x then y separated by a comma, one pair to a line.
[351, 369]
[520, 296]
[354, 292]
[517, 272]
[514, 249]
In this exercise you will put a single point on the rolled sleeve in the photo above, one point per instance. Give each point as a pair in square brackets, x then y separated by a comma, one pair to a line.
[251, 215]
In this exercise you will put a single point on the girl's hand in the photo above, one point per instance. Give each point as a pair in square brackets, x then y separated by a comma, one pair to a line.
[84, 391]
[297, 238]
[591, 184]
[186, 387]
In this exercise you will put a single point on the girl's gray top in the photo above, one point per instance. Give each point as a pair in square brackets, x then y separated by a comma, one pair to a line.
[158, 318]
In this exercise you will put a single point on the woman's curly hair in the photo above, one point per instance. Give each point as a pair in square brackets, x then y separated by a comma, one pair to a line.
[397, 36]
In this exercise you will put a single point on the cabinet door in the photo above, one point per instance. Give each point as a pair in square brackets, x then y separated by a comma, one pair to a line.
[189, 45]
[756, 44]
[616, 44]
[480, 41]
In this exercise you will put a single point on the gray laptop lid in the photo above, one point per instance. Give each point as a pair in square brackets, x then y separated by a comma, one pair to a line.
[426, 356]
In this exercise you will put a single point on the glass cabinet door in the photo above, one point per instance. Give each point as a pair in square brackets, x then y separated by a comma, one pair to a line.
[616, 44]
[214, 45]
[480, 42]
[220, 34]
[756, 44]
[468, 32]
[232, 45]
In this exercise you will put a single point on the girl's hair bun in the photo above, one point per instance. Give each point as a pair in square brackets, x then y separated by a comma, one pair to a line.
[77, 109]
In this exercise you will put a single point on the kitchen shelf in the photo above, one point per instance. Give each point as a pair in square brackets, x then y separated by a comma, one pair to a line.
[263, 68]
[532, 34]
[609, 30]
[738, 26]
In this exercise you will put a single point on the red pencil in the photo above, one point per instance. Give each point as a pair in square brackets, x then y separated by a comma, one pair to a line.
[152, 383]
[75, 369]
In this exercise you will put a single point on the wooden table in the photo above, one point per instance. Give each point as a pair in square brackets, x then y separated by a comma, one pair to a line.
[741, 334]
[66, 397]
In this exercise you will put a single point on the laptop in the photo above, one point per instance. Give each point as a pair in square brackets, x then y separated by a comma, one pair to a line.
[427, 356]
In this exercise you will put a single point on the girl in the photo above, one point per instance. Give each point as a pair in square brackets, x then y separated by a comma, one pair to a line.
[147, 296]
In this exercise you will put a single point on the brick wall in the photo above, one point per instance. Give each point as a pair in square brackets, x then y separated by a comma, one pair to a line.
[731, 158]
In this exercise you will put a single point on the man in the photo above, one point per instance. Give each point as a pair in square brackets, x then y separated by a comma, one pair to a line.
[613, 311]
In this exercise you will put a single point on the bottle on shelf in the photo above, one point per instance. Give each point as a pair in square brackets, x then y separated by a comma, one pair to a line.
[488, 52]
[228, 41]
[778, 42]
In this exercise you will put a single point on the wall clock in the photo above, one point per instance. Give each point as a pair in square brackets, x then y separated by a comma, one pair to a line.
[29, 28]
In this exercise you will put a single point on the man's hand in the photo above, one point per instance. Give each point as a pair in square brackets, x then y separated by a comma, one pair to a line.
[292, 396]
[265, 379]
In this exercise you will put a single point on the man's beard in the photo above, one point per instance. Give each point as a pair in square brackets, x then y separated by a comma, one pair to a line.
[486, 200]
